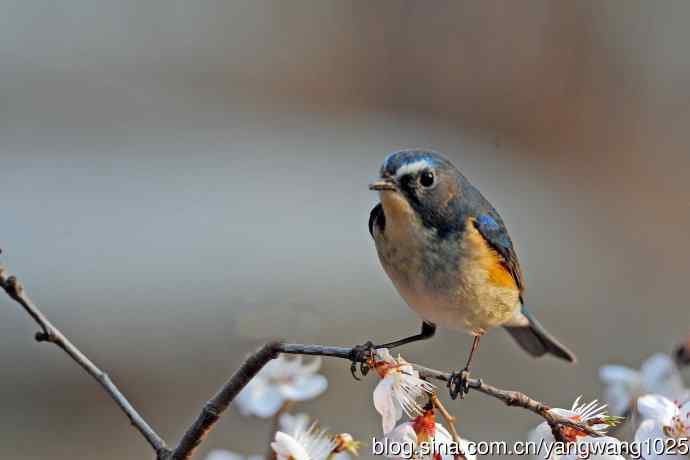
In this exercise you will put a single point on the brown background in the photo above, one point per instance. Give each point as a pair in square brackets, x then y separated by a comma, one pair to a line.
[182, 180]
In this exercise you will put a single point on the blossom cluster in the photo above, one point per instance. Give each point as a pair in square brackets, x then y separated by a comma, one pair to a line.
[654, 397]
[280, 384]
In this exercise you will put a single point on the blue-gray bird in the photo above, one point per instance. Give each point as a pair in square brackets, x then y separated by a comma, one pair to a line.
[449, 255]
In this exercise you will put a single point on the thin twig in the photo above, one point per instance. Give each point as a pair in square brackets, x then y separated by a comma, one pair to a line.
[213, 409]
[49, 333]
[511, 398]
[450, 421]
[272, 349]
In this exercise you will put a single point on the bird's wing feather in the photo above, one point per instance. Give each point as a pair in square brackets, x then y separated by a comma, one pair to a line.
[374, 216]
[496, 235]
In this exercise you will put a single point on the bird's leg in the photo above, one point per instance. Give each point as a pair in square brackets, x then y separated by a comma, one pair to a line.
[362, 353]
[457, 383]
[427, 332]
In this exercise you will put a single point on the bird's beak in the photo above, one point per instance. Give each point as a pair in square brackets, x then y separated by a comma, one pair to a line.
[384, 184]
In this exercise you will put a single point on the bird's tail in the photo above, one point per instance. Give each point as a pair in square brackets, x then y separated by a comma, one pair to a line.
[536, 341]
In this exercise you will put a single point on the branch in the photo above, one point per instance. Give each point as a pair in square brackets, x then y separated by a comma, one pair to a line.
[514, 399]
[212, 411]
[450, 421]
[219, 403]
[214, 408]
[49, 333]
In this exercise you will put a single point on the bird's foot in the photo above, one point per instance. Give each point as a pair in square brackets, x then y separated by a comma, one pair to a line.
[458, 383]
[362, 355]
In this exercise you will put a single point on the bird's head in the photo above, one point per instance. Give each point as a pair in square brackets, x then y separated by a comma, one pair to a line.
[421, 185]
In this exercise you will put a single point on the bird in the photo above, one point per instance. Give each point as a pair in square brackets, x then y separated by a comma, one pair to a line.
[448, 253]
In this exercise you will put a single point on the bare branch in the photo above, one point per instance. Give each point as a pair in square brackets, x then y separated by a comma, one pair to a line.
[511, 398]
[49, 333]
[219, 403]
[213, 409]
[450, 421]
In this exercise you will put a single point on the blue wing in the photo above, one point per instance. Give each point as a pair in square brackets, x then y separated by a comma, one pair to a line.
[496, 235]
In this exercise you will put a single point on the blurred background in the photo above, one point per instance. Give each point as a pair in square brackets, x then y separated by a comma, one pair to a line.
[184, 180]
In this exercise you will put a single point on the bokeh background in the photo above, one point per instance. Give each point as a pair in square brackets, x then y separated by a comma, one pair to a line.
[184, 180]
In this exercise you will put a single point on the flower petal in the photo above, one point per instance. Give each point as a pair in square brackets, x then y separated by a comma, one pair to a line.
[657, 407]
[221, 454]
[266, 402]
[563, 412]
[304, 388]
[602, 448]
[277, 367]
[386, 404]
[285, 447]
[245, 399]
[661, 376]
[464, 446]
[610, 374]
[589, 411]
[291, 423]
[541, 433]
[684, 414]
[383, 354]
[403, 435]
[658, 368]
[681, 396]
[619, 398]
[444, 444]
[647, 436]
[649, 429]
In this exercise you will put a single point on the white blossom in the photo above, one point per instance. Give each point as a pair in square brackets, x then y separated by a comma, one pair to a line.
[291, 423]
[665, 428]
[428, 439]
[658, 374]
[399, 389]
[304, 444]
[294, 423]
[221, 454]
[597, 448]
[281, 380]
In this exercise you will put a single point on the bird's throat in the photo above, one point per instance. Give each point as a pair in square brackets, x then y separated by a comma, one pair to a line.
[401, 220]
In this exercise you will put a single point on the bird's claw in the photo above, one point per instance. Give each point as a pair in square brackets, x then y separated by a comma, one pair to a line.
[361, 354]
[458, 384]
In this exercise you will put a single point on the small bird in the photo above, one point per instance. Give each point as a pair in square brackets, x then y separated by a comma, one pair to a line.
[449, 255]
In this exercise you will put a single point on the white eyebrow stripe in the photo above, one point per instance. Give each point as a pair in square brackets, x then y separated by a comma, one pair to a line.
[412, 168]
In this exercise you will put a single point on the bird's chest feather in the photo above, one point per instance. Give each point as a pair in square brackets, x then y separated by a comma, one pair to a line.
[456, 282]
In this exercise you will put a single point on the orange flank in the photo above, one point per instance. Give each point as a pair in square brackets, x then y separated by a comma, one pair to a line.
[499, 275]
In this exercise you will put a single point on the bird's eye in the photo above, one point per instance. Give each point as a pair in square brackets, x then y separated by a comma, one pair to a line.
[426, 178]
